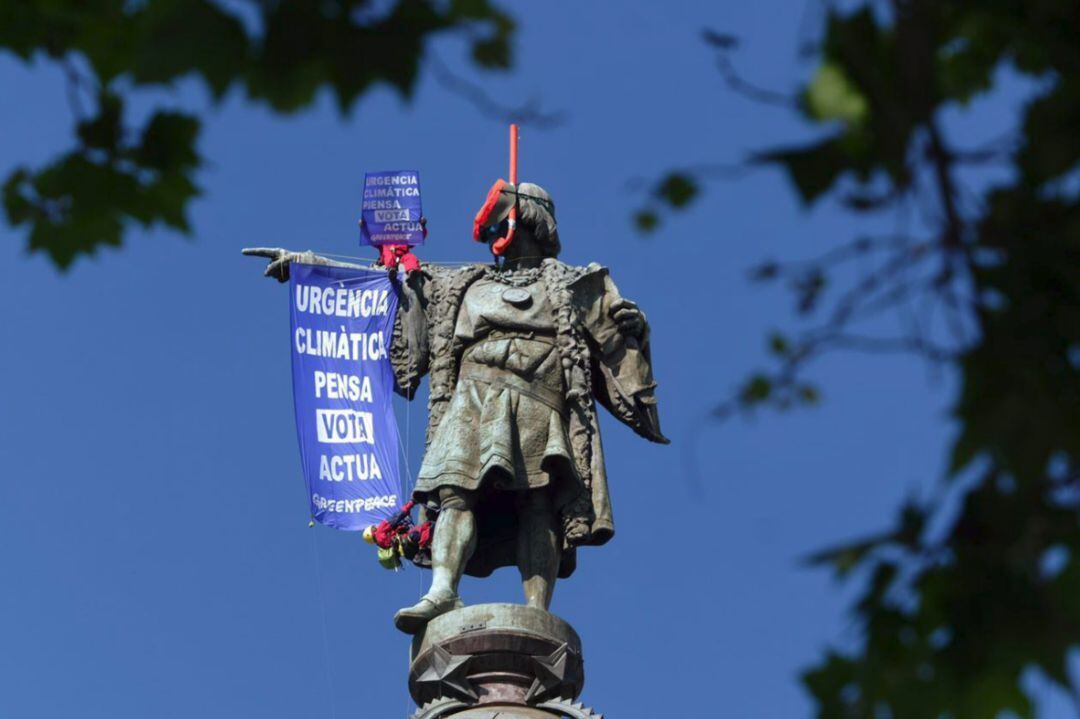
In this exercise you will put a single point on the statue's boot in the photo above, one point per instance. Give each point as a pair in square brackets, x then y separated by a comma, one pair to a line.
[412, 619]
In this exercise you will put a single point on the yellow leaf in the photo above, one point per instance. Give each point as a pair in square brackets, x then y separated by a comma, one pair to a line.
[830, 96]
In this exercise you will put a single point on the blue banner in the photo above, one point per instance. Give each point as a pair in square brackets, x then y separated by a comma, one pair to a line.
[392, 209]
[342, 323]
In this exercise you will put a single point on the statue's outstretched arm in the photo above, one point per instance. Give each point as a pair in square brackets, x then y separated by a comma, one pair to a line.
[409, 346]
[280, 259]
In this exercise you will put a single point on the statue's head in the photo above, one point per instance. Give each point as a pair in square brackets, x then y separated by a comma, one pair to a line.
[536, 225]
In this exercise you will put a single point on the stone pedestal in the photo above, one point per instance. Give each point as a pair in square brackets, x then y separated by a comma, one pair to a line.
[504, 660]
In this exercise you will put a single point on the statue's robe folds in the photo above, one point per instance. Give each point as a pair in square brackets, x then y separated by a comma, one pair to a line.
[598, 363]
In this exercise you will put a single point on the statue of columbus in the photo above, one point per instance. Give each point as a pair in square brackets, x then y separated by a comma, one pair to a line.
[518, 356]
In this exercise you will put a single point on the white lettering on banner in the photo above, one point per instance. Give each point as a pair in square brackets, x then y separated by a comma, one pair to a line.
[382, 205]
[356, 346]
[351, 506]
[335, 385]
[391, 215]
[342, 301]
[349, 467]
[390, 180]
[344, 426]
[376, 193]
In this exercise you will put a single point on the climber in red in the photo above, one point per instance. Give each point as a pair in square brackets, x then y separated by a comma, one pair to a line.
[399, 537]
[391, 256]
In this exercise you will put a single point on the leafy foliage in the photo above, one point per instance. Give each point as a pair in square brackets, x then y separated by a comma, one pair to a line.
[970, 589]
[283, 56]
[85, 198]
[677, 190]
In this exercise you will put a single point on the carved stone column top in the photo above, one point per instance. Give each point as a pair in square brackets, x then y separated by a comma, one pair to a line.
[461, 625]
[507, 660]
[548, 710]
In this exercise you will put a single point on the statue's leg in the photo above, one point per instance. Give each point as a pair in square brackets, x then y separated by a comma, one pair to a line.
[451, 547]
[454, 541]
[538, 548]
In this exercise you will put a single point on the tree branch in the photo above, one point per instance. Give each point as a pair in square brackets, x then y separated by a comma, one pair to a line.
[526, 114]
[737, 83]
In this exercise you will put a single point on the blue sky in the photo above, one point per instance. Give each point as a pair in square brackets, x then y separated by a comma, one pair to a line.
[156, 559]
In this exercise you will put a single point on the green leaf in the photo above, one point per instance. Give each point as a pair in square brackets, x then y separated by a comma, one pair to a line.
[677, 189]
[778, 344]
[181, 37]
[168, 143]
[719, 40]
[105, 131]
[756, 389]
[1052, 146]
[492, 53]
[17, 207]
[965, 448]
[830, 685]
[74, 207]
[809, 394]
[86, 198]
[813, 168]
[765, 271]
[831, 96]
[167, 200]
[646, 220]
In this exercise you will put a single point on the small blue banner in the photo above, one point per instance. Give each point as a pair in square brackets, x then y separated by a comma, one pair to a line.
[342, 323]
[392, 209]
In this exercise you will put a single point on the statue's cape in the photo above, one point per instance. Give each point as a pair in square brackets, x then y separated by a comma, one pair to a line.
[605, 366]
[621, 378]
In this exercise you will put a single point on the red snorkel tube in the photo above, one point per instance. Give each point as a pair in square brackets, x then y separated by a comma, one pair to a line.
[500, 245]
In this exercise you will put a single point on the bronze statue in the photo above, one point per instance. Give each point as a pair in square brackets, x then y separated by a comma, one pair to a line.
[518, 355]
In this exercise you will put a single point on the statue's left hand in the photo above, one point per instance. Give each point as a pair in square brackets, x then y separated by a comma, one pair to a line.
[630, 319]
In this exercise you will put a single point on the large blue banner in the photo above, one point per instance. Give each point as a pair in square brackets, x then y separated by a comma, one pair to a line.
[392, 209]
[342, 323]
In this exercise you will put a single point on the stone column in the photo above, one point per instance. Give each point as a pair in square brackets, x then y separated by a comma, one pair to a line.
[498, 660]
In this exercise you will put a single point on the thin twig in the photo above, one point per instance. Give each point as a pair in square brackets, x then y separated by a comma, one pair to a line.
[859, 247]
[74, 83]
[738, 84]
[891, 345]
[847, 303]
[527, 114]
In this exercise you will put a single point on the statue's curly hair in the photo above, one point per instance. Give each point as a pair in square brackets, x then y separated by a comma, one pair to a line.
[536, 210]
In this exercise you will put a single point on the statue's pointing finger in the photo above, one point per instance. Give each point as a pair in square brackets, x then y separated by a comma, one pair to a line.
[279, 261]
[270, 252]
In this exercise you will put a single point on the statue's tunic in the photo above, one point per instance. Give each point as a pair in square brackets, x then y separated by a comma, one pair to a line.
[506, 425]
[514, 390]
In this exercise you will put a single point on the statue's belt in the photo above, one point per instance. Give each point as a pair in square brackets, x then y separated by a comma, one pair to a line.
[501, 378]
[545, 336]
